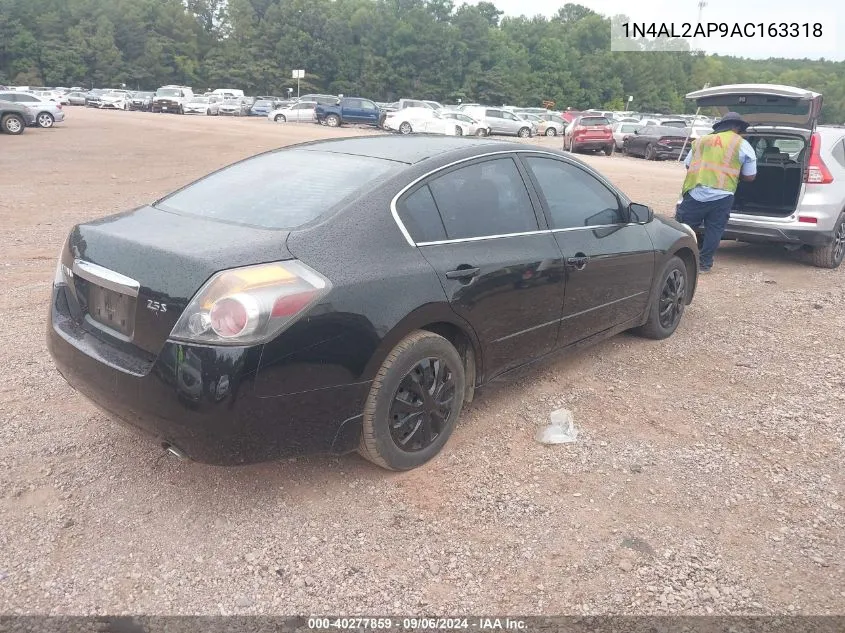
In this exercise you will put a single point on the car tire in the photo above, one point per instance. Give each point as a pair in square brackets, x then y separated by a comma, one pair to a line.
[13, 124]
[481, 132]
[406, 365]
[608, 150]
[45, 120]
[181, 110]
[650, 152]
[524, 132]
[405, 128]
[280, 118]
[459, 131]
[333, 120]
[551, 132]
[573, 148]
[831, 255]
[668, 302]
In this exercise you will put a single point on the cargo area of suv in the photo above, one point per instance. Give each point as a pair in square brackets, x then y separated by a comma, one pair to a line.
[781, 168]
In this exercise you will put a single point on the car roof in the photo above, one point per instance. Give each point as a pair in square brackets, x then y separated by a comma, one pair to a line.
[409, 149]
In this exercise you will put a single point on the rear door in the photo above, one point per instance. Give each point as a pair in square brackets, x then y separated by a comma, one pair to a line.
[476, 225]
[496, 120]
[764, 104]
[609, 262]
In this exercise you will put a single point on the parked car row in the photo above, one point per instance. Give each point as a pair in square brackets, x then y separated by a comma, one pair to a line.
[19, 110]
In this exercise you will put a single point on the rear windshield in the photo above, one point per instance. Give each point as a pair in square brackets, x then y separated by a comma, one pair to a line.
[263, 102]
[280, 190]
[594, 120]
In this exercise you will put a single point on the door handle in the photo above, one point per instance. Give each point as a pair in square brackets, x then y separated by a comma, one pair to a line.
[463, 273]
[579, 262]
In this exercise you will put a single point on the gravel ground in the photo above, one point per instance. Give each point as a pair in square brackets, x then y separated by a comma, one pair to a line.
[707, 476]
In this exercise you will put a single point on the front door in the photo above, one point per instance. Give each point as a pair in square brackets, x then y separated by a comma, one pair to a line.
[609, 261]
[499, 271]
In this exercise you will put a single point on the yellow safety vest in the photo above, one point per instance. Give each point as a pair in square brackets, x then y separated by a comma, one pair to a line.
[715, 162]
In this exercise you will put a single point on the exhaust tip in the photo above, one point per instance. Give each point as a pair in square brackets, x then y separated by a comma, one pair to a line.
[174, 450]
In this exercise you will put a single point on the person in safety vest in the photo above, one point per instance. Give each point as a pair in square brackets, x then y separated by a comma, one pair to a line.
[715, 165]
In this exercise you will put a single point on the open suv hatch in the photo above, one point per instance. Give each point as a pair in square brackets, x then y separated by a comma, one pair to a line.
[798, 197]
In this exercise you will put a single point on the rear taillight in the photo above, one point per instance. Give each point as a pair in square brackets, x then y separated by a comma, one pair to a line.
[817, 172]
[250, 305]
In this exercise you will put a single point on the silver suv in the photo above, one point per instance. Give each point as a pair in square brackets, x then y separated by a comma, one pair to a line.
[798, 197]
[500, 121]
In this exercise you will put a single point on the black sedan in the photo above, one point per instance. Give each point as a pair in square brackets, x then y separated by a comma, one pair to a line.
[353, 294]
[656, 142]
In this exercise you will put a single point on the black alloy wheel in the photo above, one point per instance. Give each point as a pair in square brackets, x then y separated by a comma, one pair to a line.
[414, 402]
[668, 301]
[422, 405]
[672, 299]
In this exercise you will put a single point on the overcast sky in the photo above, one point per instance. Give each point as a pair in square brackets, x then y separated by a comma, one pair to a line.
[830, 13]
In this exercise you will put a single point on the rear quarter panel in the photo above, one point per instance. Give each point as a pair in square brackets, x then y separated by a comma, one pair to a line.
[382, 289]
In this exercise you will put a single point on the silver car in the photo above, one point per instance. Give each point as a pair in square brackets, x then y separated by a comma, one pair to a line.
[621, 130]
[798, 196]
[500, 121]
[76, 98]
[299, 111]
[46, 112]
[233, 106]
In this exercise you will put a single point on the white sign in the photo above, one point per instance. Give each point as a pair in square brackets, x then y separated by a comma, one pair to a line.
[298, 74]
[630, 98]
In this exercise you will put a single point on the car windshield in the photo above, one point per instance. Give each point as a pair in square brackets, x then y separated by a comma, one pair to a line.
[116, 94]
[278, 190]
[594, 120]
[167, 92]
[143, 94]
[231, 101]
[199, 100]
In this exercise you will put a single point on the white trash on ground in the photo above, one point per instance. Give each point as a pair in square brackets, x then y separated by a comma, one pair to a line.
[561, 430]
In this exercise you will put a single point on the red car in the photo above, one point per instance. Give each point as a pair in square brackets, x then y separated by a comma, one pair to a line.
[589, 132]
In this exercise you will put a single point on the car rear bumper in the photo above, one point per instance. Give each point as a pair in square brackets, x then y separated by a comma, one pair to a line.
[592, 143]
[202, 399]
[777, 235]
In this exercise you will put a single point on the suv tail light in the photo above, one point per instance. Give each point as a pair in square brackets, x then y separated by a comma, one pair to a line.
[817, 172]
[250, 305]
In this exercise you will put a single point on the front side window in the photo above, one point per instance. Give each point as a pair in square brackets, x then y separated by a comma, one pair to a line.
[484, 199]
[511, 117]
[368, 105]
[575, 198]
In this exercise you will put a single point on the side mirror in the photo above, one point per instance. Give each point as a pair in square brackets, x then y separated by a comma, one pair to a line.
[640, 213]
[636, 131]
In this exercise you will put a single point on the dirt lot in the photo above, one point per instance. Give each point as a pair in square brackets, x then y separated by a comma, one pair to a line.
[707, 476]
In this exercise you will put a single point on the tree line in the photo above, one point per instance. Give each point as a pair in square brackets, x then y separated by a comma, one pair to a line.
[382, 49]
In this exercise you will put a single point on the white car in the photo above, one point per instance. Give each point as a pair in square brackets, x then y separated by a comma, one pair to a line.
[424, 121]
[299, 111]
[114, 101]
[52, 95]
[473, 127]
[202, 105]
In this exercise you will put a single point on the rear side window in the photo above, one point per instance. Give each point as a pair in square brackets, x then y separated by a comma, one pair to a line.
[574, 197]
[420, 216]
[280, 190]
[594, 120]
[494, 114]
[484, 199]
[839, 152]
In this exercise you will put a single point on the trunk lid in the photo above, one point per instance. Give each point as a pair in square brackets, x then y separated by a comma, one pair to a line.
[764, 104]
[134, 273]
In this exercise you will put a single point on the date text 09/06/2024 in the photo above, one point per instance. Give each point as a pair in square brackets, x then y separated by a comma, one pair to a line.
[417, 624]
[722, 29]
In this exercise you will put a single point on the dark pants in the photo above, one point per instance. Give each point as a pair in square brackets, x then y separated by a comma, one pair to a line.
[712, 215]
